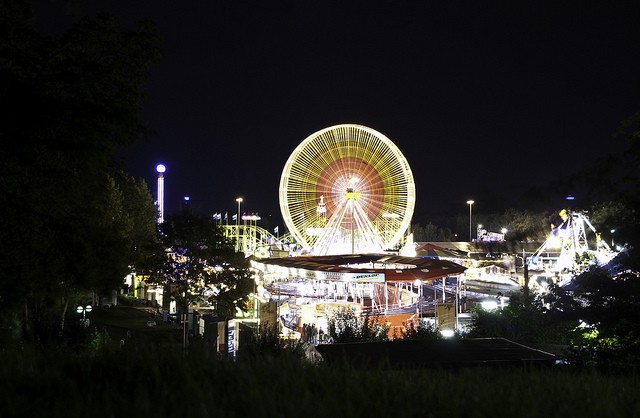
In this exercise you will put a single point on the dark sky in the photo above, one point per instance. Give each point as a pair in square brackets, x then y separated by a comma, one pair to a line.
[482, 98]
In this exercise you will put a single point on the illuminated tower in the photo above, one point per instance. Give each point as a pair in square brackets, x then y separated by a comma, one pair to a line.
[160, 168]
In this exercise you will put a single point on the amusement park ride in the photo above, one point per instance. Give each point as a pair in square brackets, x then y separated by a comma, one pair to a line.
[346, 189]
[568, 251]
[347, 196]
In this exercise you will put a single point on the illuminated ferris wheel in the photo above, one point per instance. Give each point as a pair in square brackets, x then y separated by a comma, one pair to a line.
[347, 189]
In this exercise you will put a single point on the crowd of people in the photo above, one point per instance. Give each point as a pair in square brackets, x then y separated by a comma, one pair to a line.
[313, 335]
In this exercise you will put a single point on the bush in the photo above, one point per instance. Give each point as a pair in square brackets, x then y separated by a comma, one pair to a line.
[346, 327]
[422, 331]
[266, 342]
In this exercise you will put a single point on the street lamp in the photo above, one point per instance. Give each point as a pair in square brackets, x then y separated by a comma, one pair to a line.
[239, 200]
[470, 203]
[612, 231]
[84, 310]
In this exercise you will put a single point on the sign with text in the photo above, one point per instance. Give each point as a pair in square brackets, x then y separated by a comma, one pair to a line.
[231, 339]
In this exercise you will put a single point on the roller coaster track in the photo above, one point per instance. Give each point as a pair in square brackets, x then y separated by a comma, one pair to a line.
[253, 240]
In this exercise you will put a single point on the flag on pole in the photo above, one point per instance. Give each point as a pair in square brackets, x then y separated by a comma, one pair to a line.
[275, 230]
[226, 216]
[234, 217]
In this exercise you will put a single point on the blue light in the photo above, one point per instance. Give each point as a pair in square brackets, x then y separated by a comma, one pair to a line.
[570, 197]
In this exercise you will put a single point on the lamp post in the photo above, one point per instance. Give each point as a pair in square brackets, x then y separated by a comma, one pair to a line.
[612, 231]
[239, 200]
[84, 310]
[470, 203]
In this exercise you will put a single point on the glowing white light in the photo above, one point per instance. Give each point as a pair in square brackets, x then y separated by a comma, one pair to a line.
[489, 305]
[160, 169]
[447, 333]
[554, 242]
[390, 215]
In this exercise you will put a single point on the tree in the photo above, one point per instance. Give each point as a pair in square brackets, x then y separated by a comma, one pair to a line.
[606, 305]
[74, 98]
[431, 232]
[526, 225]
[201, 265]
[525, 320]
[346, 327]
[145, 251]
[607, 297]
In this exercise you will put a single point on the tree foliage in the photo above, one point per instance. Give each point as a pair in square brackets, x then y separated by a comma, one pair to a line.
[419, 331]
[347, 326]
[68, 215]
[202, 266]
[432, 233]
[606, 305]
[524, 225]
[525, 320]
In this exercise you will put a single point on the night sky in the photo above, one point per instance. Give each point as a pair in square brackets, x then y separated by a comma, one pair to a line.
[482, 98]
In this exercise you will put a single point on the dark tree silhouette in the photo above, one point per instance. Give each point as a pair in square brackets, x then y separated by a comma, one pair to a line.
[68, 217]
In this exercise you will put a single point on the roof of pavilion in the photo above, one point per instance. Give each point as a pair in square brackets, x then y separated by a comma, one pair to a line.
[394, 267]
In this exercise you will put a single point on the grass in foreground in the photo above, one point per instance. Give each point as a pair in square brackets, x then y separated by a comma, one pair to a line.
[146, 381]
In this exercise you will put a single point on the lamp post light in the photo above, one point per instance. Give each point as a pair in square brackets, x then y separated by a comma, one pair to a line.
[612, 231]
[84, 310]
[470, 203]
[239, 200]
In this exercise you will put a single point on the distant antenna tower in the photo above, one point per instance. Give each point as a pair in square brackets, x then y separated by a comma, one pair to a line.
[160, 168]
